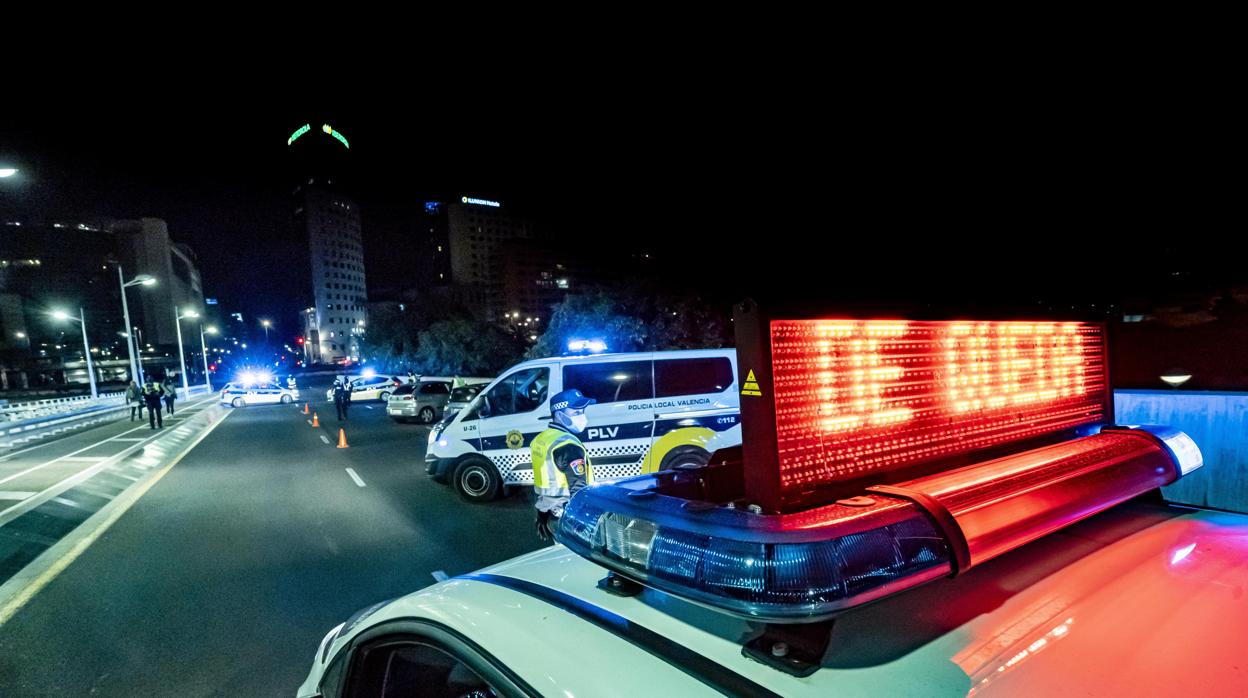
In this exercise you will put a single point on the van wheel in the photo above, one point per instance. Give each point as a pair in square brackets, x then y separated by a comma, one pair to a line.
[426, 415]
[477, 480]
[685, 458]
[238, 402]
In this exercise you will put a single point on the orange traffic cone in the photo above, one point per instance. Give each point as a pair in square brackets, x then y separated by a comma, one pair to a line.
[305, 408]
[342, 438]
[315, 422]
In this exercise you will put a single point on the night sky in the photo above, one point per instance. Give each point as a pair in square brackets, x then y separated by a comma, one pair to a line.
[1002, 202]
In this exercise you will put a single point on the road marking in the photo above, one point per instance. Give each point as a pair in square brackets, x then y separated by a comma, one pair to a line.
[355, 477]
[325, 439]
[17, 495]
[440, 576]
[122, 504]
[129, 438]
[368, 407]
[308, 421]
[84, 459]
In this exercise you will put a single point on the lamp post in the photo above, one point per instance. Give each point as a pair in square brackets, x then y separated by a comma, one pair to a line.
[203, 346]
[266, 324]
[178, 318]
[86, 346]
[140, 280]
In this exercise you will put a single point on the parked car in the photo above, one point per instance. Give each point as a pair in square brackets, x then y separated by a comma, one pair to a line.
[375, 387]
[426, 400]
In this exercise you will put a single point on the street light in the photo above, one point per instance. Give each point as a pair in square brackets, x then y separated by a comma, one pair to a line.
[86, 346]
[203, 346]
[266, 324]
[181, 355]
[140, 280]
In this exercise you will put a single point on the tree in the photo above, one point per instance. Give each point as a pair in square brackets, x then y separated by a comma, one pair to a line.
[465, 347]
[627, 320]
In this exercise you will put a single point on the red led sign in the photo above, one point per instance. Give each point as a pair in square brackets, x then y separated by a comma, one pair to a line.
[856, 397]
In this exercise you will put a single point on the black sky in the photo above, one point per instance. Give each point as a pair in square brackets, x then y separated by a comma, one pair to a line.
[784, 189]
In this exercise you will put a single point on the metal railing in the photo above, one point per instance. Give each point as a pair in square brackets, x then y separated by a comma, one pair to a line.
[20, 411]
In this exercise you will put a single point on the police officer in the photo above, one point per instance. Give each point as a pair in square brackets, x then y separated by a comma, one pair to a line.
[342, 398]
[153, 391]
[561, 464]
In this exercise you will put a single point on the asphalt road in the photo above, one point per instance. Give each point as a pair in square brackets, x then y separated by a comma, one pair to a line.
[223, 577]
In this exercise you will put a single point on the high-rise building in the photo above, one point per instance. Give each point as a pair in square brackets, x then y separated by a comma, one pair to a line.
[474, 230]
[328, 224]
[52, 264]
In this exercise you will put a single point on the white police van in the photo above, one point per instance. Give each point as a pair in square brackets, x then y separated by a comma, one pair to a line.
[654, 411]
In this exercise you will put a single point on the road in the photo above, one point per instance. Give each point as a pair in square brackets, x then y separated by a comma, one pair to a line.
[223, 576]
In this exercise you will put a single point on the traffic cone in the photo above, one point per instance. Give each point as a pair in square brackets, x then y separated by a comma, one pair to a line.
[342, 438]
[305, 408]
[316, 423]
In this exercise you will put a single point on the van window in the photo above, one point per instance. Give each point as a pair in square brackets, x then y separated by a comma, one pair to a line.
[673, 377]
[522, 391]
[611, 382]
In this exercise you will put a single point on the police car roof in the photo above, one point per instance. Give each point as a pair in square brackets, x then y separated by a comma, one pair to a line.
[1045, 619]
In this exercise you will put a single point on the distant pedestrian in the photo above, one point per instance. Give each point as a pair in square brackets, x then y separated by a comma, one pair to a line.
[152, 393]
[134, 398]
[342, 398]
[171, 393]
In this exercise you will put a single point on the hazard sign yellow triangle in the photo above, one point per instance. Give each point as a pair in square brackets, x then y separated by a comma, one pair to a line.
[750, 378]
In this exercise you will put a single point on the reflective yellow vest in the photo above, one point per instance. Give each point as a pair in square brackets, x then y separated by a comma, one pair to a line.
[547, 478]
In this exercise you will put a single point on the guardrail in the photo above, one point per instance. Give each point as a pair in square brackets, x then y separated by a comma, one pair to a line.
[1217, 422]
[20, 411]
[78, 415]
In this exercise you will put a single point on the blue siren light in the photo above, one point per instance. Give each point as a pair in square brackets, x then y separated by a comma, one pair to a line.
[786, 568]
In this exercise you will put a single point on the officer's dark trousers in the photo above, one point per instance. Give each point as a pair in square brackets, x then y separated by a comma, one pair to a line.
[153, 415]
[342, 410]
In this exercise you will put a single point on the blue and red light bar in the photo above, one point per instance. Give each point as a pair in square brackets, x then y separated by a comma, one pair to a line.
[879, 455]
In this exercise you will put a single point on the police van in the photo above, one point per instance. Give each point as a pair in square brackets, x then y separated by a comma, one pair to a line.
[654, 411]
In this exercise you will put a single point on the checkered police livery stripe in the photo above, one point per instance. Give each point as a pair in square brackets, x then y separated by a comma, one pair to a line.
[517, 468]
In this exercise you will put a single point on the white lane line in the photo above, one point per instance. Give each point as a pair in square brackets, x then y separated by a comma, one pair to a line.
[325, 439]
[44, 464]
[308, 421]
[440, 576]
[128, 438]
[19, 496]
[368, 407]
[84, 459]
[355, 477]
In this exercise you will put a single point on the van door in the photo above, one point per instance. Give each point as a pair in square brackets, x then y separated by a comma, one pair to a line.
[621, 422]
[512, 413]
[697, 411]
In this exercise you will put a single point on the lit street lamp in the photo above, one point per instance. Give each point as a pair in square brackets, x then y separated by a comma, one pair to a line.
[203, 346]
[266, 324]
[86, 347]
[140, 280]
[182, 355]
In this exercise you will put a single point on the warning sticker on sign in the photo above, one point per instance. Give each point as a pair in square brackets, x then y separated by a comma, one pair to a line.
[751, 386]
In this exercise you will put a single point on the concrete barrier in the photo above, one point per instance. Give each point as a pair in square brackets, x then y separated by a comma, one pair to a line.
[1217, 422]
